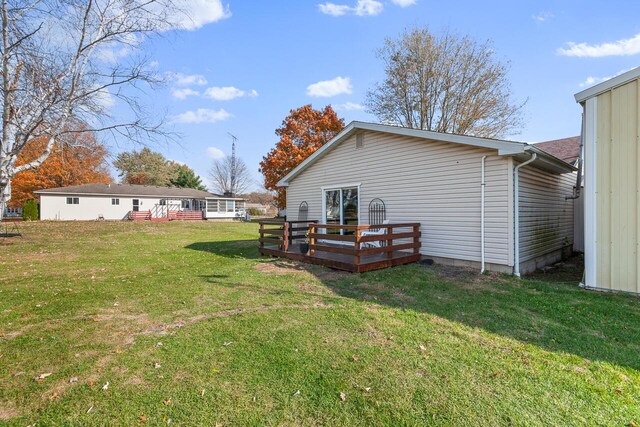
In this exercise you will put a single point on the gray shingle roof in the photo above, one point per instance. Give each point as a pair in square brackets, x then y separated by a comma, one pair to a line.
[129, 190]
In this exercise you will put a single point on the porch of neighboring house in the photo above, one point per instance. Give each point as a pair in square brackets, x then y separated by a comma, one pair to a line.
[171, 210]
[355, 248]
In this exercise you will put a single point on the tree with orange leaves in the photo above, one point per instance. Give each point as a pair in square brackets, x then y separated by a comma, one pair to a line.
[302, 132]
[80, 160]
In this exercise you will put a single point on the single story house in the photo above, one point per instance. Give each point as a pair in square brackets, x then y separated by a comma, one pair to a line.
[488, 203]
[117, 201]
[611, 123]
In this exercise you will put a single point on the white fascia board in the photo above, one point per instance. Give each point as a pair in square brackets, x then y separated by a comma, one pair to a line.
[503, 147]
[607, 85]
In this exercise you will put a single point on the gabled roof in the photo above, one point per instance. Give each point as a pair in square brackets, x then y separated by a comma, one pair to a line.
[505, 148]
[567, 149]
[129, 190]
[608, 85]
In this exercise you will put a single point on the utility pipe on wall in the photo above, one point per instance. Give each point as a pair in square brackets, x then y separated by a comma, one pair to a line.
[482, 185]
[516, 213]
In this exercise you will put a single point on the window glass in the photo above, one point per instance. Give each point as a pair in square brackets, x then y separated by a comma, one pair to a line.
[231, 206]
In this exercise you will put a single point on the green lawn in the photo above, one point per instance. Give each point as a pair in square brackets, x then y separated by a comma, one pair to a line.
[189, 326]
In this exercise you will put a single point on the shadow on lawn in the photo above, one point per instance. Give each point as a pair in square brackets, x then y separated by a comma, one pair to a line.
[547, 310]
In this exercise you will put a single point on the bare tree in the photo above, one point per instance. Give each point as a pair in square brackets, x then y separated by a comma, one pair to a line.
[444, 83]
[230, 175]
[64, 62]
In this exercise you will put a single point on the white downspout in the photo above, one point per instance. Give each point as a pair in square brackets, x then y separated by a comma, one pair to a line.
[516, 213]
[482, 185]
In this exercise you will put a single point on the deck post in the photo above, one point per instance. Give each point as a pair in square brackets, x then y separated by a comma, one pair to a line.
[312, 240]
[261, 236]
[416, 239]
[356, 257]
[390, 232]
[285, 237]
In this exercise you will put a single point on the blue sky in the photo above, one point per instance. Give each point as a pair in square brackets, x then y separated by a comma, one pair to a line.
[247, 63]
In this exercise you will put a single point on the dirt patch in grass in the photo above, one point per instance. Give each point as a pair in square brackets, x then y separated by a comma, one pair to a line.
[164, 328]
[280, 267]
[8, 411]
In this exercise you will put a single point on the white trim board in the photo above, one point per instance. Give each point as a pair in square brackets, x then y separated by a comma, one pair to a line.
[590, 194]
[608, 85]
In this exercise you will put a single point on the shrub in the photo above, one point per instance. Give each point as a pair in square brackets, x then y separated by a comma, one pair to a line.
[254, 212]
[30, 210]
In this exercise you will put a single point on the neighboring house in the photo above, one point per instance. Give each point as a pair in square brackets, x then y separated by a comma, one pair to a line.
[117, 201]
[12, 213]
[568, 149]
[612, 183]
[441, 180]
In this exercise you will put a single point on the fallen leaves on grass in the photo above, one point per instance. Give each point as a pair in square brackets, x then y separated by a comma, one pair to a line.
[157, 366]
[42, 377]
[343, 396]
[296, 394]
[73, 379]
[105, 386]
[166, 402]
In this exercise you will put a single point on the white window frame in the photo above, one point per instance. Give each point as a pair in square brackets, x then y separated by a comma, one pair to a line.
[74, 200]
[115, 201]
[334, 188]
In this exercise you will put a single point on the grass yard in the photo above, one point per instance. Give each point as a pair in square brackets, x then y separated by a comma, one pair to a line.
[189, 326]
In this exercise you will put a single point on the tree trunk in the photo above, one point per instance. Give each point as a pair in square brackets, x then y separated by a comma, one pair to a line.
[5, 195]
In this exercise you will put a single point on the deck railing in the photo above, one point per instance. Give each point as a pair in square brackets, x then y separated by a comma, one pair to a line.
[351, 241]
[354, 244]
[283, 233]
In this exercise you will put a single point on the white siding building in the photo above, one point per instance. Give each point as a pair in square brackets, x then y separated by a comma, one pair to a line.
[439, 180]
[123, 201]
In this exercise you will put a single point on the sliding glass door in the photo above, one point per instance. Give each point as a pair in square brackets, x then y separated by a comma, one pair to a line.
[341, 207]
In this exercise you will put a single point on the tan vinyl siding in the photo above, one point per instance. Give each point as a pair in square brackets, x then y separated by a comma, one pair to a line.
[546, 216]
[434, 183]
[617, 186]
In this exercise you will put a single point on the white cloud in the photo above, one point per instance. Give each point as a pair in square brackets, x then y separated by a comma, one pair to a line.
[327, 88]
[227, 93]
[362, 8]
[334, 9]
[542, 16]
[184, 93]
[180, 79]
[202, 115]
[368, 7]
[624, 47]
[104, 99]
[215, 153]
[590, 81]
[349, 106]
[404, 3]
[195, 14]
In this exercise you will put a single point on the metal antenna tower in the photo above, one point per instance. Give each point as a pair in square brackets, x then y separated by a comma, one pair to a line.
[233, 164]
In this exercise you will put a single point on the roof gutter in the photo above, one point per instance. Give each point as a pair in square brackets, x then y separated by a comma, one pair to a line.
[516, 213]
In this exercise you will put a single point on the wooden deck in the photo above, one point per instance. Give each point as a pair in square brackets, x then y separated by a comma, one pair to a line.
[394, 244]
